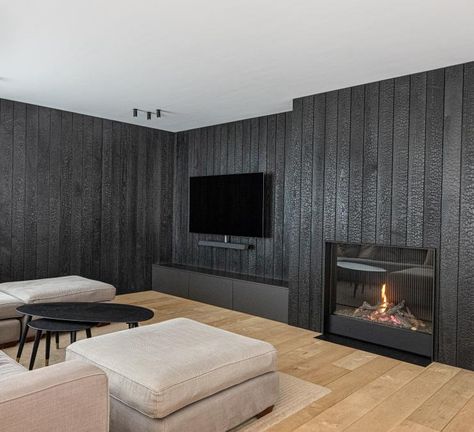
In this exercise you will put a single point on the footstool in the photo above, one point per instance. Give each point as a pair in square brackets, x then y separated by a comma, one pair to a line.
[181, 375]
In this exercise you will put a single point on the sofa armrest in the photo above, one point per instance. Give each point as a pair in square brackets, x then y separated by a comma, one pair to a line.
[71, 396]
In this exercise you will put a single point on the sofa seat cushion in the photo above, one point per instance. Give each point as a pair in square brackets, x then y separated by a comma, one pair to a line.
[8, 305]
[161, 368]
[9, 367]
[65, 288]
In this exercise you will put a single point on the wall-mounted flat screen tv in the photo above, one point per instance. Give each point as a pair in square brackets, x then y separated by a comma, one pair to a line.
[227, 204]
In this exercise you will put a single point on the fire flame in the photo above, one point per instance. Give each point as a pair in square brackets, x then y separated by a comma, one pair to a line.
[384, 300]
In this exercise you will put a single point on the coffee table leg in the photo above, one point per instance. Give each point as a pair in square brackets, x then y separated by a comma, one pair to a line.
[35, 348]
[132, 325]
[56, 335]
[23, 337]
[48, 348]
[88, 333]
[73, 337]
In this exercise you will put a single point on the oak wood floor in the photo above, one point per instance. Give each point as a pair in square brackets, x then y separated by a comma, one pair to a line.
[368, 392]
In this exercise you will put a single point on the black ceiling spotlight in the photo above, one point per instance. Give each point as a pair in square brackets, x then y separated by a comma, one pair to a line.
[148, 113]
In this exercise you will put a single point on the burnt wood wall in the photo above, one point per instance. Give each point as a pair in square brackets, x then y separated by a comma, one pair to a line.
[390, 162]
[252, 145]
[82, 195]
[393, 163]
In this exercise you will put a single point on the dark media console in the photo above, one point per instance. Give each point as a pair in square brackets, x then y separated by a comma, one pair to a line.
[267, 298]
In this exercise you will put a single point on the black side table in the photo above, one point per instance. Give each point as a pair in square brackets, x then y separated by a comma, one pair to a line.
[52, 326]
[82, 312]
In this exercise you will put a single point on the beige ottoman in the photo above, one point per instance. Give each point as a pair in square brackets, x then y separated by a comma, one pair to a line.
[181, 375]
[59, 289]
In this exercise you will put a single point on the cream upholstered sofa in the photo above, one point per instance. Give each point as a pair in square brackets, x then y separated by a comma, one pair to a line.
[181, 375]
[68, 397]
[58, 289]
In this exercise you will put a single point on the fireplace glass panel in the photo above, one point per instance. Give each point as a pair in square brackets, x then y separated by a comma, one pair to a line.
[383, 285]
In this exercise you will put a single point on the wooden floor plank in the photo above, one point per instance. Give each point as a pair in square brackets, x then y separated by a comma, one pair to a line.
[396, 408]
[443, 406]
[464, 420]
[358, 404]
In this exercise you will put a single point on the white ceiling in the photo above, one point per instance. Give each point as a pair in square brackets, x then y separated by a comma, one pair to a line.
[212, 61]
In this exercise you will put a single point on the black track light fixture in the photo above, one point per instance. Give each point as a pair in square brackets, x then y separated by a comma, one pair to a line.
[157, 113]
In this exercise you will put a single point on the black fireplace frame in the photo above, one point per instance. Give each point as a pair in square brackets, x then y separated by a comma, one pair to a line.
[414, 342]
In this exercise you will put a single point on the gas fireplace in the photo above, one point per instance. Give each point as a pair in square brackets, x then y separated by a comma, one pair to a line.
[381, 294]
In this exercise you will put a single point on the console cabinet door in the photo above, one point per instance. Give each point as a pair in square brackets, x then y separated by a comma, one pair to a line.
[170, 281]
[211, 289]
[268, 301]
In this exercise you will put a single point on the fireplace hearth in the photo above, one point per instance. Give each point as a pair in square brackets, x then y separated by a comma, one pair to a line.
[380, 294]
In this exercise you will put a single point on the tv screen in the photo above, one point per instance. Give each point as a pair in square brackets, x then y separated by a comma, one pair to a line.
[227, 204]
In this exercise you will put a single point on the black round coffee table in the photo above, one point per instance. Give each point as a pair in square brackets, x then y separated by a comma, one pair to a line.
[83, 312]
[54, 326]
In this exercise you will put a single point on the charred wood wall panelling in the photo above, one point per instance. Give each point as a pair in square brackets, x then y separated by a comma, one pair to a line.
[389, 162]
[82, 195]
[258, 144]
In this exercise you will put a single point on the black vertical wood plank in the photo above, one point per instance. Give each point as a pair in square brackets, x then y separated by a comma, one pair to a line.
[180, 199]
[6, 179]
[116, 215]
[305, 222]
[357, 164]
[269, 216]
[384, 165]
[317, 246]
[77, 193]
[106, 229]
[18, 192]
[141, 259]
[279, 196]
[66, 194]
[416, 159]
[131, 228]
[155, 190]
[54, 174]
[86, 207]
[31, 179]
[448, 295]
[42, 223]
[293, 209]
[330, 171]
[370, 168]
[123, 217]
[343, 152]
[262, 167]
[286, 233]
[433, 157]
[465, 339]
[165, 204]
[96, 185]
[148, 223]
[400, 160]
